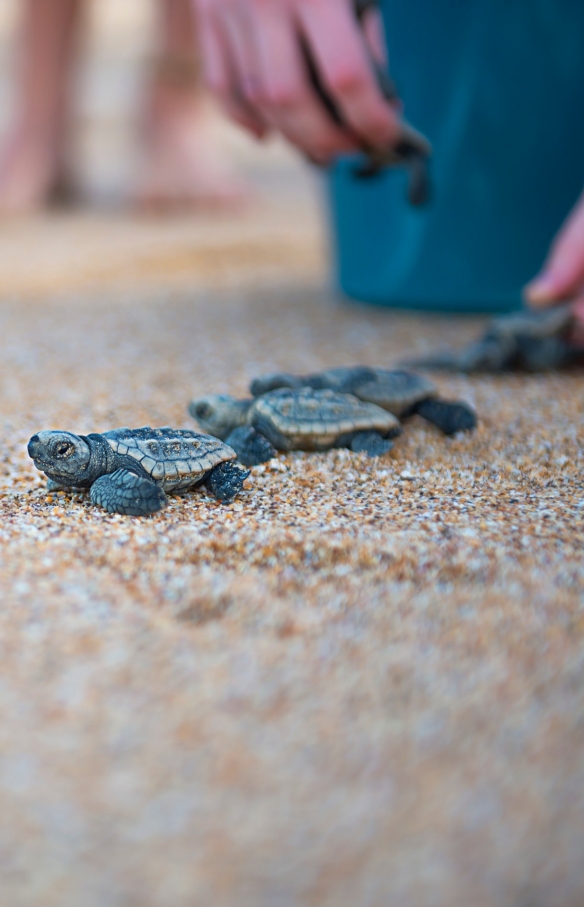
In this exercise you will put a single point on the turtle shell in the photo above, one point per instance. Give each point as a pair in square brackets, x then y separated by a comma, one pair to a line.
[536, 324]
[175, 458]
[308, 419]
[344, 379]
[395, 390]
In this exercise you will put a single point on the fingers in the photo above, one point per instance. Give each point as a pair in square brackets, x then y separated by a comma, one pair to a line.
[283, 93]
[563, 273]
[221, 59]
[253, 59]
[346, 70]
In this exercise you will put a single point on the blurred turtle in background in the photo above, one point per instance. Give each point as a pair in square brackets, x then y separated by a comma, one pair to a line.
[295, 419]
[400, 392]
[529, 340]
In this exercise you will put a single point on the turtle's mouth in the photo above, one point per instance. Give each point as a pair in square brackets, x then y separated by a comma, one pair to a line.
[34, 449]
[42, 466]
[63, 480]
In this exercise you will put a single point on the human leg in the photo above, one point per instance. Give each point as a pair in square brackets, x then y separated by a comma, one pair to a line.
[32, 159]
[182, 165]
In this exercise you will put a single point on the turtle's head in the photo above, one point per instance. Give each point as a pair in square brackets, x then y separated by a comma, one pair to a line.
[61, 455]
[219, 414]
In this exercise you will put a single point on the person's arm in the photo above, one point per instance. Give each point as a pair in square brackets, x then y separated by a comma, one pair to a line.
[252, 59]
[562, 276]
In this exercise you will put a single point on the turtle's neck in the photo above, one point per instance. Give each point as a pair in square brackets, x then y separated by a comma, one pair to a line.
[102, 458]
[240, 410]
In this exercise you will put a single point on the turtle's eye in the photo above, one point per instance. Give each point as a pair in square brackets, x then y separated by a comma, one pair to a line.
[202, 410]
[63, 449]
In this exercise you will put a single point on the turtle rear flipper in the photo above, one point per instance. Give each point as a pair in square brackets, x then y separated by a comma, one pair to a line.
[225, 481]
[124, 492]
[449, 417]
[371, 443]
[543, 355]
[251, 447]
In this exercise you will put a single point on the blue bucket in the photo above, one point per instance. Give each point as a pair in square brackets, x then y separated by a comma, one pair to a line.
[498, 88]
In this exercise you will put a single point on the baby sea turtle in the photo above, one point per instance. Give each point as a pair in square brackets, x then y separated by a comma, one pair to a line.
[528, 340]
[128, 470]
[289, 419]
[400, 392]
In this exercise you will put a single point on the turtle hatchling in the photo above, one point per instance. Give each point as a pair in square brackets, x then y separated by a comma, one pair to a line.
[400, 392]
[289, 419]
[530, 341]
[130, 470]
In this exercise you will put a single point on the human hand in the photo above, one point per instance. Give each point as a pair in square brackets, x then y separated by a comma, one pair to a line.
[562, 276]
[252, 59]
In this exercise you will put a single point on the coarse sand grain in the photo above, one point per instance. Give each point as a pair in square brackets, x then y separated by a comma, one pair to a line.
[359, 685]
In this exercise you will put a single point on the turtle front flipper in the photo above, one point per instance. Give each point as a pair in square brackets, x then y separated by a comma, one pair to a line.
[251, 447]
[124, 492]
[449, 417]
[267, 383]
[226, 480]
[371, 443]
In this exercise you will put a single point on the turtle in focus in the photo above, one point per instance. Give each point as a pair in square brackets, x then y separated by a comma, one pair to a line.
[130, 470]
[400, 392]
[528, 340]
[289, 419]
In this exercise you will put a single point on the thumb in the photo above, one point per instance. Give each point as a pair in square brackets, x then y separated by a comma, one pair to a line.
[563, 273]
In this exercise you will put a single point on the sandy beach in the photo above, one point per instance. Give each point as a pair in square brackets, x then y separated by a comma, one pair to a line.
[359, 685]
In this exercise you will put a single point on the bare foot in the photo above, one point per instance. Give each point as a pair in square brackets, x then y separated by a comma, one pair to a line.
[183, 164]
[30, 174]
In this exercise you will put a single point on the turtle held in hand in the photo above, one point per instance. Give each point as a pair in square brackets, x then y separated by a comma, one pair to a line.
[130, 470]
[412, 150]
[288, 419]
[531, 341]
[400, 392]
